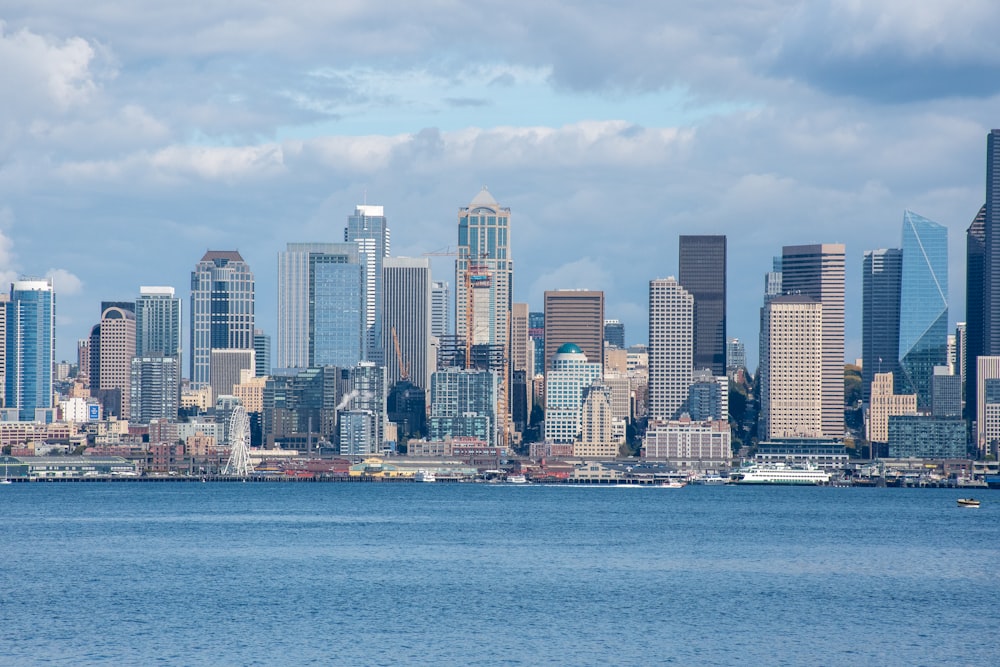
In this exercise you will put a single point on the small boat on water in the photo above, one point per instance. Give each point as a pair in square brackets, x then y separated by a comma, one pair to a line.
[425, 476]
[672, 484]
[968, 502]
[517, 479]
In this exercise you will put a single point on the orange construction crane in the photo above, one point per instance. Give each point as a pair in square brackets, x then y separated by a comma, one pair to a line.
[404, 369]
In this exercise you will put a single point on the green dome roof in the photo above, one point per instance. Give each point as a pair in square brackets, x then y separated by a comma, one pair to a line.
[569, 348]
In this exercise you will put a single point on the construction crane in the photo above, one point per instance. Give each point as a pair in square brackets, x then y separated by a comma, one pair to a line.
[404, 369]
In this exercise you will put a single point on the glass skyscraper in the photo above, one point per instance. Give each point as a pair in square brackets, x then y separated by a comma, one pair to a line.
[702, 273]
[975, 252]
[923, 305]
[222, 309]
[157, 322]
[321, 305]
[368, 228]
[30, 346]
[483, 271]
[883, 270]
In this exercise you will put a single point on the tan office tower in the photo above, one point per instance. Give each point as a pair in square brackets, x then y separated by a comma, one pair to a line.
[520, 343]
[406, 320]
[817, 271]
[575, 316]
[791, 368]
[117, 348]
[483, 271]
[671, 348]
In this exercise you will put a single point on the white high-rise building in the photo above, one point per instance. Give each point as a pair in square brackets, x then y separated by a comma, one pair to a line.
[791, 368]
[988, 398]
[565, 385]
[671, 347]
[368, 228]
[440, 320]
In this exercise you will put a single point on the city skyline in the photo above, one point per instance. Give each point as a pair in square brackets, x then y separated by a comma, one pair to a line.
[134, 144]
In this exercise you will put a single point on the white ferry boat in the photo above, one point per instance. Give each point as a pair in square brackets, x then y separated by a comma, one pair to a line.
[517, 479]
[779, 473]
[424, 476]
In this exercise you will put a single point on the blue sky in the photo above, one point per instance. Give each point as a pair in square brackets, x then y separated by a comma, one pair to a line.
[135, 137]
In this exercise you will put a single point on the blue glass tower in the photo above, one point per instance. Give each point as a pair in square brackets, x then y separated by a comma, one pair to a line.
[923, 304]
[883, 270]
[30, 346]
[369, 229]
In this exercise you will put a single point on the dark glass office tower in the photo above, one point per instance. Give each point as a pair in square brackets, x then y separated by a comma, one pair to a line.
[702, 273]
[975, 253]
[880, 314]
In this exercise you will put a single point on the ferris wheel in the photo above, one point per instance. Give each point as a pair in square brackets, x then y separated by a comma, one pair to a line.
[239, 444]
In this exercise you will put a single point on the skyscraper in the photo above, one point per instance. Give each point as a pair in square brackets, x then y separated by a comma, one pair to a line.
[117, 347]
[484, 271]
[440, 309]
[991, 248]
[566, 381]
[614, 333]
[671, 347]
[157, 322]
[321, 305]
[975, 253]
[702, 272]
[883, 271]
[155, 387]
[817, 271]
[574, 316]
[30, 346]
[406, 320]
[368, 228]
[222, 309]
[791, 368]
[923, 320]
[261, 353]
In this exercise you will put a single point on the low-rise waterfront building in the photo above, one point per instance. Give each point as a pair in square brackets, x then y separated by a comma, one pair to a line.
[824, 453]
[690, 445]
[927, 437]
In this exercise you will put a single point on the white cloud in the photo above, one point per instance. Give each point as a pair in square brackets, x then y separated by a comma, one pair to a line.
[64, 282]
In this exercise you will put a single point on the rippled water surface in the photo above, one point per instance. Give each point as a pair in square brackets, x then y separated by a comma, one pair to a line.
[469, 574]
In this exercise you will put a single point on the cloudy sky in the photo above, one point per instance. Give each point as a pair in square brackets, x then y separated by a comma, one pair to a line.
[134, 136]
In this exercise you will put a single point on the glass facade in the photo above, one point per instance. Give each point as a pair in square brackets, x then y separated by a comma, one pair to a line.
[883, 270]
[222, 309]
[336, 316]
[923, 307]
[702, 272]
[369, 229]
[30, 347]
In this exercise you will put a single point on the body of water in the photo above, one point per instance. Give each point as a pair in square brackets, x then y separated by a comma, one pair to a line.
[477, 574]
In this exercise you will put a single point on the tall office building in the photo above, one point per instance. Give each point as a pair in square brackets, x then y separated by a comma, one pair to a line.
[614, 334]
[368, 228]
[406, 320]
[702, 272]
[882, 273]
[154, 387]
[222, 309]
[321, 305]
[261, 353]
[671, 348]
[521, 347]
[484, 271]
[991, 248]
[988, 408]
[923, 305]
[975, 253]
[817, 271]
[29, 346]
[117, 347]
[567, 379]
[157, 322]
[440, 309]
[536, 331]
[574, 316]
[791, 368]
[463, 404]
[736, 355]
